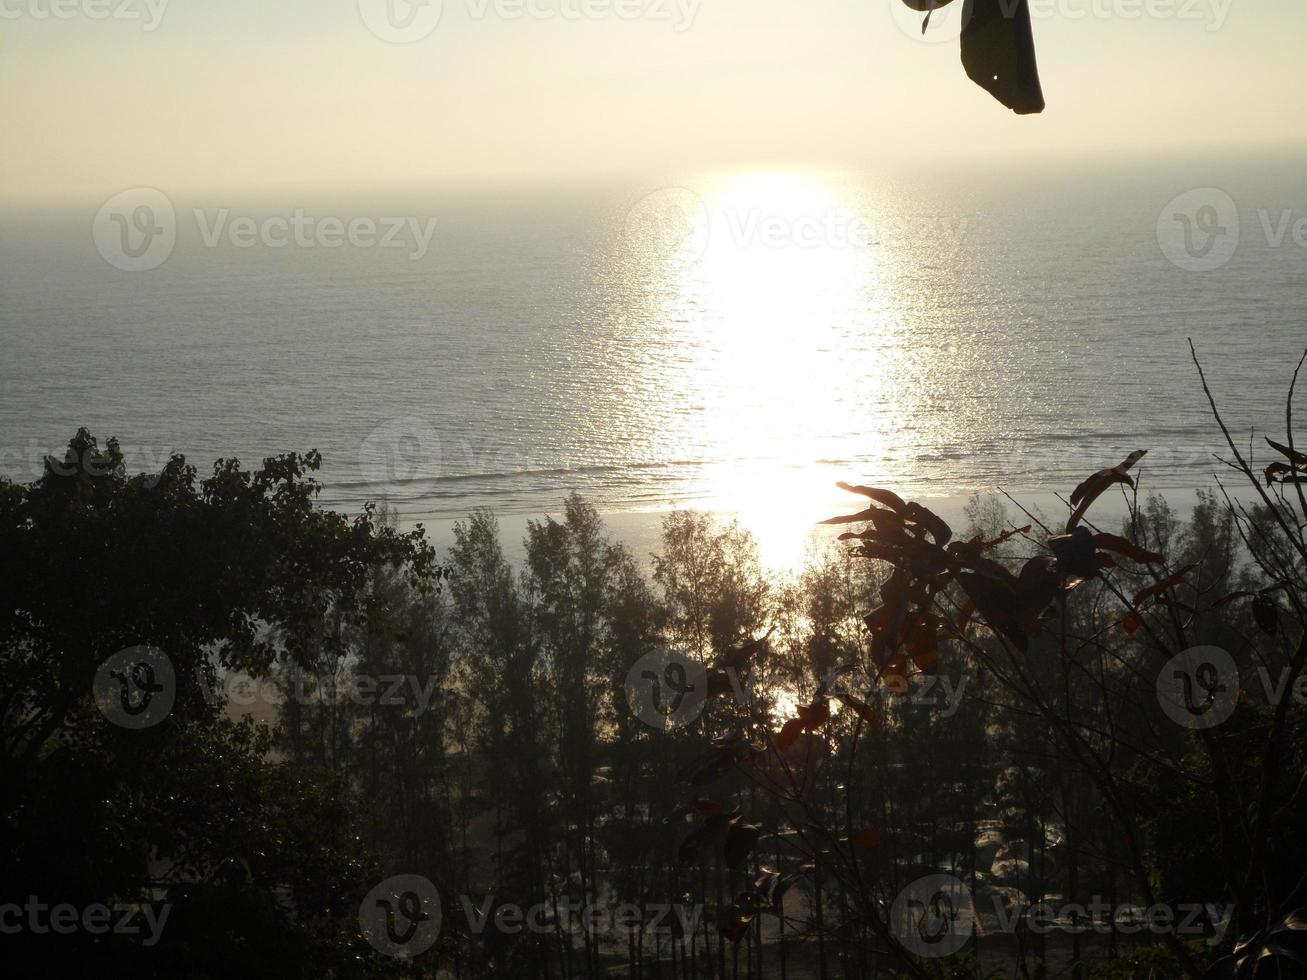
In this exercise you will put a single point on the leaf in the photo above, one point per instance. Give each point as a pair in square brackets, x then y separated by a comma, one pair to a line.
[932, 522]
[1132, 623]
[998, 52]
[789, 732]
[711, 829]
[695, 808]
[1292, 455]
[733, 925]
[1087, 492]
[996, 600]
[813, 716]
[739, 657]
[1276, 470]
[1266, 614]
[867, 837]
[713, 763]
[1075, 552]
[740, 842]
[1159, 587]
[1245, 594]
[860, 517]
[887, 497]
[860, 708]
[1124, 546]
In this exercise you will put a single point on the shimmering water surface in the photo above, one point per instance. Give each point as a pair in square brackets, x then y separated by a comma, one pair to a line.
[735, 343]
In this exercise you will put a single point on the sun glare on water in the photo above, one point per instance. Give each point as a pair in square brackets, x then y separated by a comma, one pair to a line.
[781, 287]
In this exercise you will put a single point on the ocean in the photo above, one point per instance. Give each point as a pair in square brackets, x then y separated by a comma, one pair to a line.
[736, 343]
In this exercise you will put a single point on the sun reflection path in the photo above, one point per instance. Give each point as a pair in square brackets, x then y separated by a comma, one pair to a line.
[781, 289]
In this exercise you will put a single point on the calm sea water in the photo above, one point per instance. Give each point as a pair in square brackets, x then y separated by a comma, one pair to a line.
[736, 343]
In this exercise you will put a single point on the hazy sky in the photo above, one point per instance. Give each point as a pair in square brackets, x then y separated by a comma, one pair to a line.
[265, 94]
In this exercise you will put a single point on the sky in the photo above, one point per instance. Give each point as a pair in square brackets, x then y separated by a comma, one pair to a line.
[257, 95]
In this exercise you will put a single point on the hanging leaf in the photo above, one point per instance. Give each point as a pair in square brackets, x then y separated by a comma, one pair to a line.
[998, 52]
[867, 837]
[733, 925]
[695, 808]
[1090, 490]
[740, 842]
[788, 733]
[1292, 455]
[1124, 546]
[1075, 552]
[860, 708]
[887, 497]
[1159, 587]
[813, 716]
[1266, 614]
